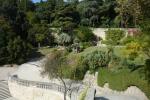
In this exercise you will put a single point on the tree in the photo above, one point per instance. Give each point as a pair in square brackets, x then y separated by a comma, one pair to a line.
[54, 68]
[14, 32]
[40, 35]
[26, 5]
[9, 9]
[21, 25]
[5, 33]
[73, 1]
[145, 8]
[129, 9]
[88, 9]
[59, 4]
[39, 39]
[18, 50]
[67, 18]
[51, 4]
[122, 9]
[135, 11]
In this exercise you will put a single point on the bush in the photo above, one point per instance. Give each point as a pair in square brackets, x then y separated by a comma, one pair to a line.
[128, 39]
[147, 69]
[132, 50]
[113, 36]
[95, 60]
[85, 45]
[64, 39]
[84, 34]
[75, 68]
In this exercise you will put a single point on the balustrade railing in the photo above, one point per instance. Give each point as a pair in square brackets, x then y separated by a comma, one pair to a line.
[43, 85]
[73, 93]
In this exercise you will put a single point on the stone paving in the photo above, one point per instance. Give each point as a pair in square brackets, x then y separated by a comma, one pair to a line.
[6, 70]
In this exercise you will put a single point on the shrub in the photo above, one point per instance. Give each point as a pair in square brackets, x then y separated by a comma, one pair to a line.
[85, 45]
[85, 22]
[95, 60]
[128, 39]
[147, 70]
[69, 48]
[64, 39]
[132, 50]
[77, 67]
[84, 34]
[114, 36]
[114, 61]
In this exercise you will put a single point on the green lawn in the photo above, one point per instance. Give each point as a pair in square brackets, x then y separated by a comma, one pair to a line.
[122, 79]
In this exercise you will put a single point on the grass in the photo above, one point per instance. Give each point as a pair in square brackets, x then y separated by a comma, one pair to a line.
[120, 80]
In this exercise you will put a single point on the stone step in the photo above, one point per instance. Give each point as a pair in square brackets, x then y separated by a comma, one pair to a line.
[4, 90]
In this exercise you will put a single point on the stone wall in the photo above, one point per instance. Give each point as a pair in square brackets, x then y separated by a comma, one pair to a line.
[100, 32]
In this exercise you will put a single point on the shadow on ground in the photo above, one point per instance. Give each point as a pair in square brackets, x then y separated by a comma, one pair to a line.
[35, 54]
[100, 98]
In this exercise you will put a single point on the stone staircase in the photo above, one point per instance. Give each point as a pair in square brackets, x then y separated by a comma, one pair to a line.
[4, 90]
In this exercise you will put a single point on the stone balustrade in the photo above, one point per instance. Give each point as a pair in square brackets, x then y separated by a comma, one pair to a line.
[25, 89]
[43, 85]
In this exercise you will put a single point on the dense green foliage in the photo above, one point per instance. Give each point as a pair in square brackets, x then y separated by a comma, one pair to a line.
[64, 39]
[40, 35]
[60, 64]
[95, 60]
[31, 23]
[14, 47]
[113, 36]
[84, 34]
